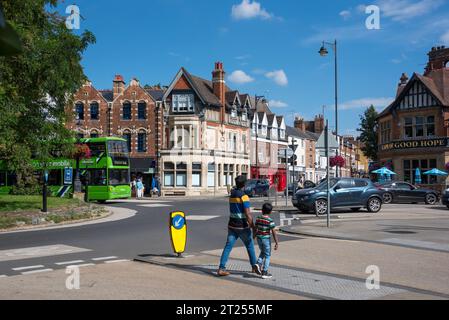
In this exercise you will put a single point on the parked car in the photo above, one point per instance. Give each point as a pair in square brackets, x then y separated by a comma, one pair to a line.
[344, 193]
[403, 192]
[445, 198]
[307, 185]
[257, 187]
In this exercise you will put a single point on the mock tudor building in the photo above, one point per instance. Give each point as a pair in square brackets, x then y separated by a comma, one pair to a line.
[414, 130]
[268, 139]
[206, 136]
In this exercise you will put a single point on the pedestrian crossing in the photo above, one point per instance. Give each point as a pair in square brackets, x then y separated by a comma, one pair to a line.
[14, 262]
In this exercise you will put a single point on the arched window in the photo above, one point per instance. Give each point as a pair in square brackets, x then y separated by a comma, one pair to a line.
[94, 134]
[127, 111]
[142, 141]
[142, 111]
[127, 136]
[79, 110]
[94, 111]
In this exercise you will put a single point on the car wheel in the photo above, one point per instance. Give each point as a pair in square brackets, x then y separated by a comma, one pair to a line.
[431, 199]
[374, 205]
[356, 209]
[320, 207]
[388, 198]
[448, 206]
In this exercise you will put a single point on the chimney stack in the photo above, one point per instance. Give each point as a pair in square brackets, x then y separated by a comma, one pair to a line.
[118, 85]
[438, 59]
[300, 124]
[319, 123]
[219, 86]
[402, 83]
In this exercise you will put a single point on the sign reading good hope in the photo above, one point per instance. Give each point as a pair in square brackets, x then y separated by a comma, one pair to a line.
[413, 144]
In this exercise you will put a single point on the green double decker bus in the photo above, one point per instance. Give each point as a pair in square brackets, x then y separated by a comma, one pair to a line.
[105, 175]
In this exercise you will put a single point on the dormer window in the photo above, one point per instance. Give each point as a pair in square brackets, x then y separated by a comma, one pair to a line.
[264, 130]
[282, 133]
[234, 113]
[183, 102]
[244, 116]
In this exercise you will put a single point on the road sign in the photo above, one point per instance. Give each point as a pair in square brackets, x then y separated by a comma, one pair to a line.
[294, 147]
[290, 153]
[68, 176]
[178, 231]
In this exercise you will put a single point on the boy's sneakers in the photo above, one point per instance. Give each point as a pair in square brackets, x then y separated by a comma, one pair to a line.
[257, 270]
[266, 275]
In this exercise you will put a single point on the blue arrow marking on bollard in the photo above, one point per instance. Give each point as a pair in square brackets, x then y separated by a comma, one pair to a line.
[178, 222]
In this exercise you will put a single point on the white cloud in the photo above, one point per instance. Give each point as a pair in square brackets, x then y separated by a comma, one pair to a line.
[403, 10]
[278, 76]
[379, 103]
[240, 77]
[345, 14]
[277, 104]
[249, 10]
[243, 57]
[445, 38]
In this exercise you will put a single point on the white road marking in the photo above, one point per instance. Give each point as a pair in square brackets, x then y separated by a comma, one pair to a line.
[37, 271]
[117, 261]
[201, 218]
[35, 252]
[28, 267]
[104, 258]
[81, 265]
[156, 205]
[69, 262]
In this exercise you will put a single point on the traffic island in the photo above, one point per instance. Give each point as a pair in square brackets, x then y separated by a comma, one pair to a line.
[24, 212]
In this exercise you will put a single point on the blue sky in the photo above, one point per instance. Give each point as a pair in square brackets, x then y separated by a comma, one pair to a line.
[268, 47]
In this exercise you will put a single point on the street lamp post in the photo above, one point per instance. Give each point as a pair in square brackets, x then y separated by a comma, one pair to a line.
[324, 52]
[257, 99]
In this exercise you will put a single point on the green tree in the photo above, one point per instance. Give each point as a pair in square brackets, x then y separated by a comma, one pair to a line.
[368, 135]
[37, 84]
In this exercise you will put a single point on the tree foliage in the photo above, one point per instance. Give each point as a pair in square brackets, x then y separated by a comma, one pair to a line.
[37, 84]
[368, 129]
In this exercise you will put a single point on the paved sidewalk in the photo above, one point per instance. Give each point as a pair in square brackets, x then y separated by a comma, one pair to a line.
[132, 280]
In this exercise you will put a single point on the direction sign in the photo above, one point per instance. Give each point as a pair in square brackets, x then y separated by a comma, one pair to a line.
[178, 231]
[290, 153]
[294, 147]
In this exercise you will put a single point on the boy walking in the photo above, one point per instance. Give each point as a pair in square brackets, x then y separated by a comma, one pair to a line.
[265, 226]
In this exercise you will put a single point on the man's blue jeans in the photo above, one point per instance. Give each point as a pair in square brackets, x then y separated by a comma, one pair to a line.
[265, 253]
[233, 235]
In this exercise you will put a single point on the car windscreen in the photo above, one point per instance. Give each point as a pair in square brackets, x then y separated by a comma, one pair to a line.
[323, 186]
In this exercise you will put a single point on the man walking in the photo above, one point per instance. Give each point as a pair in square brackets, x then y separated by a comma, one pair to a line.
[240, 227]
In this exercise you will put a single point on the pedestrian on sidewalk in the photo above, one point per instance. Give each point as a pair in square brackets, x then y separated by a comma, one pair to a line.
[265, 227]
[240, 226]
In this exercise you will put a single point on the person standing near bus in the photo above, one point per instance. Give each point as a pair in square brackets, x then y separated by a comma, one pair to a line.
[139, 186]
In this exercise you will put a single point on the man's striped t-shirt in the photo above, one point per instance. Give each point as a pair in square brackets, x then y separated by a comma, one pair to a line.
[238, 202]
[264, 225]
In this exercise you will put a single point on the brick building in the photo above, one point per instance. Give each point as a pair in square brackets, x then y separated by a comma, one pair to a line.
[414, 129]
[128, 111]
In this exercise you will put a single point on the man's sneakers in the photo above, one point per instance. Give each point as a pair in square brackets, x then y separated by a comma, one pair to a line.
[266, 275]
[257, 270]
[223, 273]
